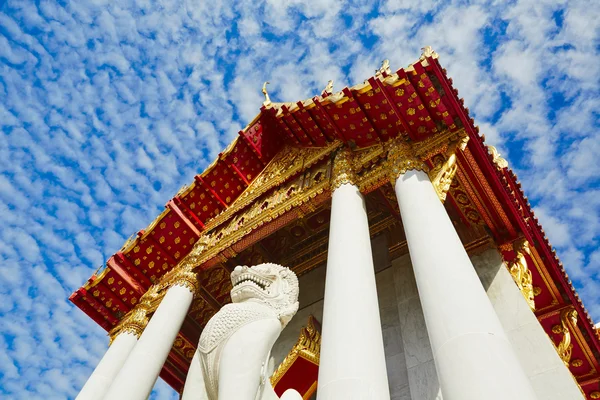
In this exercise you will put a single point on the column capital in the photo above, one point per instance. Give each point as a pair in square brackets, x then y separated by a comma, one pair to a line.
[343, 172]
[135, 322]
[184, 276]
[401, 158]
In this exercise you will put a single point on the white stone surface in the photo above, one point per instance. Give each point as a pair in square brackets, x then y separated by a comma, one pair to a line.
[139, 373]
[421, 377]
[472, 354]
[235, 345]
[194, 388]
[352, 364]
[98, 383]
[550, 378]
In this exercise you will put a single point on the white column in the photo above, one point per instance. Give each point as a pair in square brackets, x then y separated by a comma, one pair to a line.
[352, 362]
[137, 377]
[473, 356]
[108, 367]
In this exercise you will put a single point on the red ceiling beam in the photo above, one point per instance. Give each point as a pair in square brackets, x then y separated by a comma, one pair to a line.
[349, 94]
[321, 130]
[287, 113]
[329, 120]
[118, 260]
[173, 206]
[234, 168]
[184, 207]
[158, 246]
[377, 83]
[122, 306]
[218, 198]
[252, 147]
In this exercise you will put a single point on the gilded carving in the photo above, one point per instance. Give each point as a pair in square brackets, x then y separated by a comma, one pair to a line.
[568, 321]
[401, 158]
[308, 347]
[520, 271]
[267, 101]
[342, 172]
[442, 174]
[497, 159]
[289, 162]
[135, 322]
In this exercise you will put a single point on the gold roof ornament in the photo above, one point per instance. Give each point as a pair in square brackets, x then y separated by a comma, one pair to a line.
[385, 69]
[328, 89]
[497, 159]
[427, 52]
[267, 101]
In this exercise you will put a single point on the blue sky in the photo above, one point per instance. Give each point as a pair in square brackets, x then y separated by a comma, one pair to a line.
[107, 108]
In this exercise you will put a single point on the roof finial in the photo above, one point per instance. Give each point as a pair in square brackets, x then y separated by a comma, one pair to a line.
[426, 52]
[264, 91]
[328, 89]
[384, 69]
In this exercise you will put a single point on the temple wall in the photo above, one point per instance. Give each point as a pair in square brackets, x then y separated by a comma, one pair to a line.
[409, 359]
[549, 376]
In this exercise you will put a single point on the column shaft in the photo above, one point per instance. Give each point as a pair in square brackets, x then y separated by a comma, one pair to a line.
[108, 367]
[352, 363]
[473, 357]
[137, 377]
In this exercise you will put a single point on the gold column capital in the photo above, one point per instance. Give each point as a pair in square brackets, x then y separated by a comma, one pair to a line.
[401, 158]
[343, 172]
[185, 277]
[135, 322]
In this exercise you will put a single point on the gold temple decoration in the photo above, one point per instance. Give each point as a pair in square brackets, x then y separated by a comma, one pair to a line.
[308, 347]
[343, 172]
[520, 271]
[385, 69]
[577, 362]
[426, 52]
[328, 89]
[135, 321]
[401, 158]
[568, 321]
[445, 166]
[267, 101]
[595, 395]
[442, 174]
[497, 159]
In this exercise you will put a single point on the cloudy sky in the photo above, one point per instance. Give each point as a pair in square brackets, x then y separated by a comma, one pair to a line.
[108, 107]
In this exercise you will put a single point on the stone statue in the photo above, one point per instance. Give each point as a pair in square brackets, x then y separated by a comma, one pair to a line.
[235, 345]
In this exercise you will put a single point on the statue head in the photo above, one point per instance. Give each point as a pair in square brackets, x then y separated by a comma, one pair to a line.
[270, 284]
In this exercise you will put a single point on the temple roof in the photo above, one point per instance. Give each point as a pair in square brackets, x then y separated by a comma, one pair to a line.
[418, 102]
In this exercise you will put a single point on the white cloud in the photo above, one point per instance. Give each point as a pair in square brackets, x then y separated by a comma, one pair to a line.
[99, 101]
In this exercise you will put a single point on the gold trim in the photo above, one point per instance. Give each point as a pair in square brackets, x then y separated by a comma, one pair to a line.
[568, 321]
[308, 347]
[521, 273]
[401, 158]
[343, 172]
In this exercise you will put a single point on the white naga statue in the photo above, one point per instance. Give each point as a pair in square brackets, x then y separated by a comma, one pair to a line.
[235, 346]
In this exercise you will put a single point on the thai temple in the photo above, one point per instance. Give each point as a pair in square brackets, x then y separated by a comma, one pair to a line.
[362, 244]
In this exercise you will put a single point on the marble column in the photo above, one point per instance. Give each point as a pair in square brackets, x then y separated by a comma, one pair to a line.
[472, 354]
[142, 368]
[352, 363]
[108, 367]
